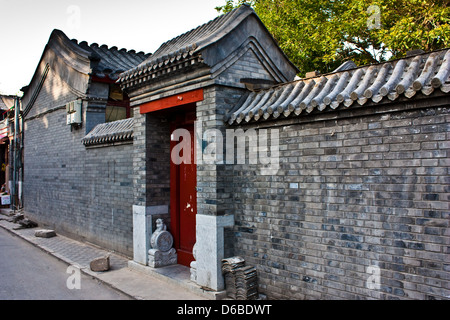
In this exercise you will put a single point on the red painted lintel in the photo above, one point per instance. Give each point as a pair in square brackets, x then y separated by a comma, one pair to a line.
[172, 101]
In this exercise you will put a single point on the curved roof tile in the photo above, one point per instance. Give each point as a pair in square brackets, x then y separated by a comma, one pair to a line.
[117, 131]
[112, 62]
[423, 73]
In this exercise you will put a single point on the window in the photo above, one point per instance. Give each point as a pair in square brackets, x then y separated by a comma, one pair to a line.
[114, 113]
[118, 107]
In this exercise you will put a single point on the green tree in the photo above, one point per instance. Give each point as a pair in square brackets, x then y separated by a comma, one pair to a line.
[321, 35]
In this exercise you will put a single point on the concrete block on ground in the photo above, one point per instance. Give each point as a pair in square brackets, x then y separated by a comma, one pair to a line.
[25, 223]
[100, 264]
[45, 233]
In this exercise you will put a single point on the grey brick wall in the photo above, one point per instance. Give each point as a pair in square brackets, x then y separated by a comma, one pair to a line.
[214, 196]
[158, 160]
[151, 163]
[354, 191]
[247, 66]
[139, 159]
[83, 193]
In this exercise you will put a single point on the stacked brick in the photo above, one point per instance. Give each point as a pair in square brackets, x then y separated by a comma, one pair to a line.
[240, 280]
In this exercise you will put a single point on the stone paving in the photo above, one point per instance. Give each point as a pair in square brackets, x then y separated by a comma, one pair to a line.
[139, 283]
[71, 251]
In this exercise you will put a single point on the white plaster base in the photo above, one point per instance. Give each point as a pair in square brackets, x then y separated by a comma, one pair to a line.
[142, 231]
[210, 250]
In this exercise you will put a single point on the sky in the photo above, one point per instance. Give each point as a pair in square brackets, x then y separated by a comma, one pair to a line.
[141, 25]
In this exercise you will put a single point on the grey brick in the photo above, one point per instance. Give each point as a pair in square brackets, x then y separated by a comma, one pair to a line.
[66, 185]
[372, 194]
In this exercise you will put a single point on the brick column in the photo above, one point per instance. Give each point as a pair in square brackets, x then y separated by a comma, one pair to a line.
[151, 180]
[141, 221]
[214, 196]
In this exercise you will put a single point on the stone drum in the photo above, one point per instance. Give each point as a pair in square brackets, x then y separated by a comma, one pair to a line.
[162, 254]
[161, 239]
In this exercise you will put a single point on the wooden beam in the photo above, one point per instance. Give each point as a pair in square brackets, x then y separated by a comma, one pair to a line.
[172, 101]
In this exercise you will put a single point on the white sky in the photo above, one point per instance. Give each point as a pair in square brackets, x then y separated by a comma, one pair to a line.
[142, 25]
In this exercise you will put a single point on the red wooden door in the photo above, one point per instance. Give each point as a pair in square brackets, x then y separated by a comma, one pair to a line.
[183, 200]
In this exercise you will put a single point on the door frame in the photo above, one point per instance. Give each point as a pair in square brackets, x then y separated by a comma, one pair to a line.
[179, 119]
[178, 107]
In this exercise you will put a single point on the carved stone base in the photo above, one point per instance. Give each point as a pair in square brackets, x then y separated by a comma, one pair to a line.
[158, 258]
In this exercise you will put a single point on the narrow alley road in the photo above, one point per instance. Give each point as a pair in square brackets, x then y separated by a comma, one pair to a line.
[27, 273]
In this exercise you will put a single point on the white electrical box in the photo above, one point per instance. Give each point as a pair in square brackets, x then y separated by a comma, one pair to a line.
[73, 112]
[6, 200]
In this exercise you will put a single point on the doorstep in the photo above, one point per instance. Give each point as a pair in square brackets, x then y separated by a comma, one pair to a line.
[180, 275]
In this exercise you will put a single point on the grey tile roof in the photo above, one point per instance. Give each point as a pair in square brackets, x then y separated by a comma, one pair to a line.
[6, 102]
[102, 60]
[406, 77]
[183, 51]
[117, 131]
[110, 61]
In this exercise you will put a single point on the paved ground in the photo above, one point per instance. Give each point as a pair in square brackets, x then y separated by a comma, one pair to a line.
[27, 273]
[136, 282]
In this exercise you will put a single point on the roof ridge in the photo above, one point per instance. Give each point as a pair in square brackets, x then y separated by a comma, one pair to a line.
[111, 60]
[211, 26]
[105, 46]
[193, 30]
[187, 44]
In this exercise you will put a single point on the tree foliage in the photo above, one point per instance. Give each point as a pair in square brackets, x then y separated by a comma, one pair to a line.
[322, 34]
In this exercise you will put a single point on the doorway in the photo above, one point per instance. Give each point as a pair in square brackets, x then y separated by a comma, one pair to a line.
[183, 182]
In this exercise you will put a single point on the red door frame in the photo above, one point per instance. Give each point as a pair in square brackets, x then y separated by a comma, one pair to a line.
[178, 223]
[182, 118]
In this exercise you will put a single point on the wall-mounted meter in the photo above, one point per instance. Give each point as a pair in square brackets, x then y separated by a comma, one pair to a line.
[74, 112]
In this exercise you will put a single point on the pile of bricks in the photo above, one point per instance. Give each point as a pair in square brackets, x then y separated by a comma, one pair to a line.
[240, 280]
